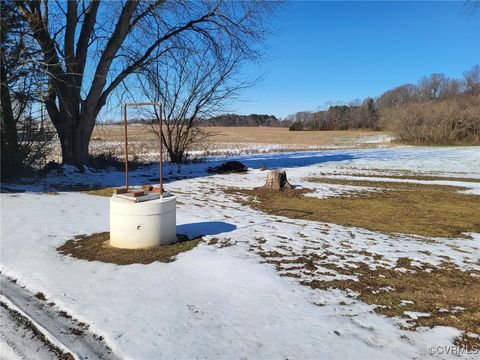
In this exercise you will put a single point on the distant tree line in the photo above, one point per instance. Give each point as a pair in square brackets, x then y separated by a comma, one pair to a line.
[243, 120]
[338, 117]
[436, 110]
[224, 120]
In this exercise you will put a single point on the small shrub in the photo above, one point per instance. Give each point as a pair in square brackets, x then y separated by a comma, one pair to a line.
[296, 126]
[106, 161]
[34, 144]
[109, 160]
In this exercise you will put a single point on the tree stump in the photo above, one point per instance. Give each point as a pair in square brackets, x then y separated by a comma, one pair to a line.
[277, 181]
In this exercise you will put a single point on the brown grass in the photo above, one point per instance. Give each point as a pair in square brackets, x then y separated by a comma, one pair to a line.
[116, 132]
[426, 210]
[446, 122]
[449, 295]
[108, 191]
[96, 247]
[388, 185]
[420, 177]
[266, 135]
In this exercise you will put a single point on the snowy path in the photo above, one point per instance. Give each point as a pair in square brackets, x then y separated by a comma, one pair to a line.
[45, 332]
[20, 341]
[224, 302]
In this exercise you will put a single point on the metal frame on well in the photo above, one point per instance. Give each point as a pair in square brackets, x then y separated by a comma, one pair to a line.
[126, 138]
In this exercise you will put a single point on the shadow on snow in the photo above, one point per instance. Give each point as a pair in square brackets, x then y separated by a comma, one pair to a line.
[73, 180]
[204, 228]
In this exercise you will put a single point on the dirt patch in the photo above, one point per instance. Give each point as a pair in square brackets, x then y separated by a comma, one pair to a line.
[427, 210]
[96, 247]
[40, 296]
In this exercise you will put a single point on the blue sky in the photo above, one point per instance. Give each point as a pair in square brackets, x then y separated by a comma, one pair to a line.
[340, 51]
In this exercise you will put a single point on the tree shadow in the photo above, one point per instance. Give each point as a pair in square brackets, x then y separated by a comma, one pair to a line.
[261, 161]
[295, 159]
[73, 180]
[193, 230]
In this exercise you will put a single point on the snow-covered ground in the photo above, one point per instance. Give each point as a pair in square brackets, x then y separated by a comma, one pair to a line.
[148, 150]
[219, 301]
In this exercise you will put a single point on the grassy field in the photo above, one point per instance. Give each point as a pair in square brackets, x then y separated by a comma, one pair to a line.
[394, 207]
[265, 135]
[144, 144]
[115, 132]
[250, 135]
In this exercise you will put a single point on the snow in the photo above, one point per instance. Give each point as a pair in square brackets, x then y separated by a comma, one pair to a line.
[416, 314]
[49, 337]
[224, 302]
[7, 351]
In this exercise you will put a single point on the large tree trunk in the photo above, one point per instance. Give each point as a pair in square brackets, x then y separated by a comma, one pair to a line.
[11, 157]
[74, 139]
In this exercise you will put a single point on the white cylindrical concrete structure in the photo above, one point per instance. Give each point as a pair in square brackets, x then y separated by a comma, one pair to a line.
[136, 225]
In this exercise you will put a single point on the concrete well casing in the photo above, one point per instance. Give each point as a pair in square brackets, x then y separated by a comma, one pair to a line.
[136, 225]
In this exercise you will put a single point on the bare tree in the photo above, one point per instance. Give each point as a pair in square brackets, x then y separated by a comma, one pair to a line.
[25, 136]
[398, 96]
[11, 69]
[368, 116]
[90, 49]
[193, 83]
[438, 87]
[472, 80]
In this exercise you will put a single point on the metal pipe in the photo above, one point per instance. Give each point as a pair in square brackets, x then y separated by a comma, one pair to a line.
[142, 103]
[161, 148]
[126, 144]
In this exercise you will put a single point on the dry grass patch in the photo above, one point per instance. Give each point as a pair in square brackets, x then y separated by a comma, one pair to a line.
[450, 296]
[244, 135]
[272, 135]
[420, 177]
[388, 185]
[426, 210]
[96, 247]
[108, 191]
